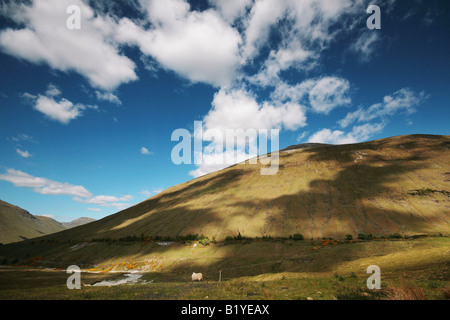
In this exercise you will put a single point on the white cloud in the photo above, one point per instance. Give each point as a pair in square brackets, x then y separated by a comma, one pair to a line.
[61, 110]
[23, 154]
[329, 93]
[157, 190]
[149, 194]
[22, 138]
[102, 200]
[305, 28]
[358, 134]
[49, 187]
[238, 109]
[45, 38]
[108, 96]
[43, 185]
[403, 101]
[199, 46]
[49, 216]
[215, 161]
[145, 151]
[52, 91]
[302, 136]
[108, 201]
[323, 94]
[366, 45]
[95, 209]
[231, 10]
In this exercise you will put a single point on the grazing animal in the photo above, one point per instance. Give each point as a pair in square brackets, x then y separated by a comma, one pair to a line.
[197, 277]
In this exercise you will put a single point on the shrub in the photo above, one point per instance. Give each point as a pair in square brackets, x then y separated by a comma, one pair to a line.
[298, 237]
[349, 237]
[361, 236]
[205, 242]
[396, 236]
[229, 238]
[339, 277]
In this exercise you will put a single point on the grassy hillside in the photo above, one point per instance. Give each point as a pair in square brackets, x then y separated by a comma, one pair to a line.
[78, 222]
[17, 224]
[394, 185]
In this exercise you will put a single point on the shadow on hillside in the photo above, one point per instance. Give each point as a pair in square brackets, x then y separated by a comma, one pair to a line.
[349, 198]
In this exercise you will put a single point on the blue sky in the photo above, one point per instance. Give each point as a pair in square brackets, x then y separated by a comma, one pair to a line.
[86, 115]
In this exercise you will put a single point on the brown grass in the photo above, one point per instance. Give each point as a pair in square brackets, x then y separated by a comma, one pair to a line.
[406, 292]
[447, 293]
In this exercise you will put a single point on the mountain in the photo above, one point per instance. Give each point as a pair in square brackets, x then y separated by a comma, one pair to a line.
[393, 185]
[78, 222]
[17, 224]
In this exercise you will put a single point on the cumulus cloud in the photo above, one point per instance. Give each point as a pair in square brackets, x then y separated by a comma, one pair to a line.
[108, 96]
[322, 95]
[200, 46]
[57, 109]
[404, 101]
[329, 93]
[45, 38]
[231, 10]
[371, 120]
[50, 187]
[305, 28]
[23, 154]
[145, 151]
[43, 185]
[108, 201]
[358, 134]
[239, 109]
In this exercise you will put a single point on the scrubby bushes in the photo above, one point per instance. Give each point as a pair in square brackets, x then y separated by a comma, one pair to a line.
[361, 236]
[297, 237]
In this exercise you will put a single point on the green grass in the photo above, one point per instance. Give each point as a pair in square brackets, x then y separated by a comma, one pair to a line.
[50, 285]
[289, 270]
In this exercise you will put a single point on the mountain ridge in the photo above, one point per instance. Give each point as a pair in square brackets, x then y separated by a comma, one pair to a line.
[320, 191]
[17, 224]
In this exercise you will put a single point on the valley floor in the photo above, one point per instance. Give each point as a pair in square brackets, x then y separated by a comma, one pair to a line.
[410, 269]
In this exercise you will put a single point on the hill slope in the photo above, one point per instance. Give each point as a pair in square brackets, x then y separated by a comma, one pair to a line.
[17, 224]
[78, 222]
[398, 184]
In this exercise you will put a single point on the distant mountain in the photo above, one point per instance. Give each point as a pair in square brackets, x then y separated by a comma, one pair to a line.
[393, 185]
[17, 224]
[77, 222]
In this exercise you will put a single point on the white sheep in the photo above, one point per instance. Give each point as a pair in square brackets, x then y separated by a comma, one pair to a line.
[197, 277]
